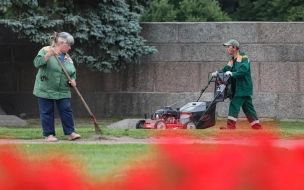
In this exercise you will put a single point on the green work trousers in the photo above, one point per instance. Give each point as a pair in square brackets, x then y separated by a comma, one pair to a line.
[246, 103]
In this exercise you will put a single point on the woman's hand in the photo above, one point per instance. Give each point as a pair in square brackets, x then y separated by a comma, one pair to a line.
[50, 53]
[72, 83]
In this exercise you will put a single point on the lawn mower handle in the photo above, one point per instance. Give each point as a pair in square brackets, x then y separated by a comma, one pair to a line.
[213, 102]
[203, 90]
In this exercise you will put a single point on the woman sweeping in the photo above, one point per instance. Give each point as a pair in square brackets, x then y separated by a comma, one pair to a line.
[52, 86]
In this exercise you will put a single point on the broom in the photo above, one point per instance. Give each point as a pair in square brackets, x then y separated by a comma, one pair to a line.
[97, 128]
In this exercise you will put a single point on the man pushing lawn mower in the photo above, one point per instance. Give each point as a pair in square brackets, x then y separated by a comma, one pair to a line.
[238, 68]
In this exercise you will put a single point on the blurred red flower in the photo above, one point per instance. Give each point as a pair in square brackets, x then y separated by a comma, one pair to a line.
[176, 166]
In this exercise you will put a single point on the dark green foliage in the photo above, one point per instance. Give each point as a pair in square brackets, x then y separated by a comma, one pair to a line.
[201, 11]
[138, 6]
[184, 11]
[160, 11]
[245, 11]
[236, 10]
[278, 10]
[230, 6]
[106, 32]
[264, 10]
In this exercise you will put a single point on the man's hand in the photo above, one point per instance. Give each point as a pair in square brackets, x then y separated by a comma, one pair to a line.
[214, 74]
[228, 73]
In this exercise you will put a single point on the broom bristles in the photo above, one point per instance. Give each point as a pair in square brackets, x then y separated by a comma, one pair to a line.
[97, 128]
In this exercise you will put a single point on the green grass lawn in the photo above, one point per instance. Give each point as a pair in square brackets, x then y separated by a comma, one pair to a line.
[97, 161]
[85, 127]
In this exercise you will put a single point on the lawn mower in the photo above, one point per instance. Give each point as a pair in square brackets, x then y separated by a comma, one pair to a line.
[193, 115]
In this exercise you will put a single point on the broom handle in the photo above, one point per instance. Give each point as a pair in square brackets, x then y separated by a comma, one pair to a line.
[67, 75]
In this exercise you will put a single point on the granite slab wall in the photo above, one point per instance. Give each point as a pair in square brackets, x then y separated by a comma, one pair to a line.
[187, 52]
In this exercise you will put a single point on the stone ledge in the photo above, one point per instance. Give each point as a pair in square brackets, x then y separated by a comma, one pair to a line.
[124, 124]
[11, 120]
[2, 112]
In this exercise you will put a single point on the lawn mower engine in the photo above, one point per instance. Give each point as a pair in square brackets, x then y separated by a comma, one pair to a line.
[193, 115]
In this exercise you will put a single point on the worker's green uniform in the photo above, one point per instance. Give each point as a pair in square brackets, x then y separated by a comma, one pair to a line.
[243, 90]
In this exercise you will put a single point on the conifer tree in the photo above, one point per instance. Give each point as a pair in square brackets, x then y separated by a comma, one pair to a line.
[106, 32]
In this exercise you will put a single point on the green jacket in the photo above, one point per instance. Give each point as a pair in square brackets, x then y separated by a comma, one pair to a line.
[51, 82]
[241, 75]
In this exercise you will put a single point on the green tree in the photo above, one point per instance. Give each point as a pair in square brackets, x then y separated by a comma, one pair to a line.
[278, 10]
[245, 11]
[229, 7]
[201, 11]
[184, 11]
[4, 4]
[296, 13]
[160, 11]
[138, 6]
[264, 10]
[106, 32]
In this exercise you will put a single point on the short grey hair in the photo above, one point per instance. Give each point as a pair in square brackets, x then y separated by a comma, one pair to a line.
[62, 37]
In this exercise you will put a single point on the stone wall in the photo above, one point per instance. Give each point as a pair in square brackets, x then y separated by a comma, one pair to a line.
[187, 52]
